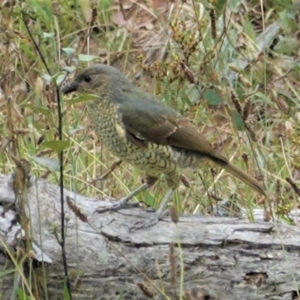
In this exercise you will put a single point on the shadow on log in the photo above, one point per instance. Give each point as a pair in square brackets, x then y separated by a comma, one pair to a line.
[222, 258]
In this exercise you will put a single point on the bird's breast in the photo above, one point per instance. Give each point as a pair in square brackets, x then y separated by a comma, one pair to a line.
[154, 159]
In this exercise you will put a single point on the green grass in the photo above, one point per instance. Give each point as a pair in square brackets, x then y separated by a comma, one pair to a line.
[207, 102]
[216, 64]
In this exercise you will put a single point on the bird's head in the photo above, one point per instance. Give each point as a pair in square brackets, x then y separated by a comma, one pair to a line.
[98, 79]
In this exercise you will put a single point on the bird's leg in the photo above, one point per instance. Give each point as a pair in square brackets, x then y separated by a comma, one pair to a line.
[164, 203]
[158, 214]
[173, 180]
[122, 203]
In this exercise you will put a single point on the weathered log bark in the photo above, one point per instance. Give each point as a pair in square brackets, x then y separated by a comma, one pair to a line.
[222, 258]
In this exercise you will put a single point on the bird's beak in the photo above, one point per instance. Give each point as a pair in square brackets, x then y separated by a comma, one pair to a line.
[69, 88]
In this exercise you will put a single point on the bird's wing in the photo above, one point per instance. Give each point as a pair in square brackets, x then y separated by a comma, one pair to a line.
[148, 120]
[188, 137]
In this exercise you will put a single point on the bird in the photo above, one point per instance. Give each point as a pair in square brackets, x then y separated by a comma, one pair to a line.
[146, 133]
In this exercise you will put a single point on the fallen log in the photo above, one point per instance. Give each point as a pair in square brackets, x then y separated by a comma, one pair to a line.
[197, 258]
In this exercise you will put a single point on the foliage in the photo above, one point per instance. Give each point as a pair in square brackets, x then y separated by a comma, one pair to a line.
[232, 69]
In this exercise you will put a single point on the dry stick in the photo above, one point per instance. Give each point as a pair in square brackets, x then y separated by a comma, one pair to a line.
[20, 183]
[61, 169]
[105, 174]
[109, 170]
[293, 185]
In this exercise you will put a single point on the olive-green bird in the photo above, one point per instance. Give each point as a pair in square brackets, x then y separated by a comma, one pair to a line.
[144, 132]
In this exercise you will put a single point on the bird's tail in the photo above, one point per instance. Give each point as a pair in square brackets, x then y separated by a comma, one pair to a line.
[245, 178]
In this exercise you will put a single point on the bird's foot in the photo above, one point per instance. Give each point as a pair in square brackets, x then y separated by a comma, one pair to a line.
[116, 206]
[145, 224]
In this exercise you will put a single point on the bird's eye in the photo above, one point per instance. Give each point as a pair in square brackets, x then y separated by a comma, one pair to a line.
[87, 78]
